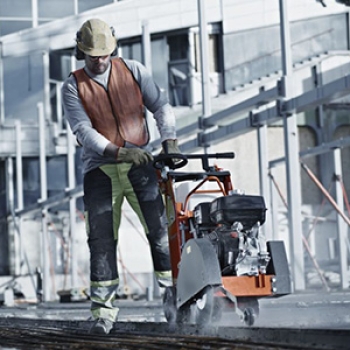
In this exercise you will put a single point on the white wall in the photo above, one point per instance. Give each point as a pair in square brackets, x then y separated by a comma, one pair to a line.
[242, 15]
[163, 15]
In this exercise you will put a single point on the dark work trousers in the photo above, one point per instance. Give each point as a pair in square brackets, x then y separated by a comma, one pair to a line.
[104, 191]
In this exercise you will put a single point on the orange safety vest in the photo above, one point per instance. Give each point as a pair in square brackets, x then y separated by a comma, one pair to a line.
[118, 112]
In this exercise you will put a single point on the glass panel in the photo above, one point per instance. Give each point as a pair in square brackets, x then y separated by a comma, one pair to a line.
[178, 46]
[16, 8]
[131, 51]
[160, 60]
[53, 102]
[344, 132]
[213, 53]
[8, 27]
[55, 8]
[23, 79]
[60, 64]
[84, 5]
[57, 173]
[31, 180]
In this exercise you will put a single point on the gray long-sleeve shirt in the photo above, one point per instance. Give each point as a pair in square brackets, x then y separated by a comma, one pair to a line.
[94, 144]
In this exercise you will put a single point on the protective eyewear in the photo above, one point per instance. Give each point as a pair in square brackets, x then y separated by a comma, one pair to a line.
[96, 58]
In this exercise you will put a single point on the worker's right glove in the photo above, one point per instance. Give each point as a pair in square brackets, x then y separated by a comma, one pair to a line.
[136, 156]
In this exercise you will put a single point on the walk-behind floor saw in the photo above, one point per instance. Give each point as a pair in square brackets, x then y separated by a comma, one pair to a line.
[220, 258]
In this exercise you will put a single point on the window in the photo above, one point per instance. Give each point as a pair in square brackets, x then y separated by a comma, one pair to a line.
[213, 53]
[178, 47]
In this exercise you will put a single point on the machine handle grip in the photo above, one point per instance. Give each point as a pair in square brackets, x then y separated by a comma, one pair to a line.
[229, 155]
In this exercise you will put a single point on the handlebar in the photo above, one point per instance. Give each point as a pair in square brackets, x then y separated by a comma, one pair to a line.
[168, 159]
[229, 155]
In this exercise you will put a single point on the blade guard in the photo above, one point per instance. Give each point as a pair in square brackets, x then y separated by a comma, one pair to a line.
[199, 267]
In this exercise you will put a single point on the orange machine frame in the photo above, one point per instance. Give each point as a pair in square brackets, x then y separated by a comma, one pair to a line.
[179, 233]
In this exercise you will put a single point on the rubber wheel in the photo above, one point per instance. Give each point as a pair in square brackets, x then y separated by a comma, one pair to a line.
[249, 316]
[204, 306]
[217, 309]
[253, 303]
[169, 304]
[183, 314]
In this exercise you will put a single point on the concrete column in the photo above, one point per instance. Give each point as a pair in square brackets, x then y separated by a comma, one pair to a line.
[147, 61]
[342, 227]
[192, 64]
[2, 96]
[72, 208]
[204, 49]
[263, 177]
[10, 196]
[146, 46]
[204, 54]
[19, 166]
[35, 13]
[47, 102]
[19, 180]
[294, 201]
[45, 255]
[76, 7]
[292, 157]
[274, 206]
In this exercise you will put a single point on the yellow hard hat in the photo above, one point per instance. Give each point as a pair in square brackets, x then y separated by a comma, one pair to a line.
[96, 38]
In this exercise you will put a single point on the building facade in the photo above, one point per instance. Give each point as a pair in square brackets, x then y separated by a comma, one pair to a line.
[245, 62]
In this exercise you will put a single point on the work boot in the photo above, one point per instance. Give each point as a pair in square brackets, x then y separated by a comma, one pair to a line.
[101, 326]
[164, 278]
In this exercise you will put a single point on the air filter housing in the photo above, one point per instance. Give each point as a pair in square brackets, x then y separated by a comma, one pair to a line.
[247, 210]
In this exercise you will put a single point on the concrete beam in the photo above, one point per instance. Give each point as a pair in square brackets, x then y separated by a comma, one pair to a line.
[125, 16]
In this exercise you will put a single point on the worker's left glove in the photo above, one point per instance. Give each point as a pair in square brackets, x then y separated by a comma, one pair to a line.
[171, 147]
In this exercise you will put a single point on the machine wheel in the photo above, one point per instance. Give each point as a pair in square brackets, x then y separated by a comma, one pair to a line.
[204, 306]
[183, 314]
[249, 316]
[217, 309]
[169, 304]
[250, 308]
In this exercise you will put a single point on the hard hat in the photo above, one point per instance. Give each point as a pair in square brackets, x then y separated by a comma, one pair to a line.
[96, 38]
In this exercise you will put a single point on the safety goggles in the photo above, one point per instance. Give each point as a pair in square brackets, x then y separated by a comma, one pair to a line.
[96, 58]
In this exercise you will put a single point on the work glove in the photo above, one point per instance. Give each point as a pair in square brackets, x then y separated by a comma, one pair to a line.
[171, 147]
[136, 156]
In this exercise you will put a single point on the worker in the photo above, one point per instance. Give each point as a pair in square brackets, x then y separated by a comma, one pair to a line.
[104, 103]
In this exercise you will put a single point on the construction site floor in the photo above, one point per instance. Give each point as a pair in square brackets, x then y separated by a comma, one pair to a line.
[316, 320]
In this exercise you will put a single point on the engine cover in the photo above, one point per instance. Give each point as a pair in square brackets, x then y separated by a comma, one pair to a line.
[248, 210]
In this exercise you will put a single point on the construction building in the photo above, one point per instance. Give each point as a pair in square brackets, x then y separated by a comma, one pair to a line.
[266, 79]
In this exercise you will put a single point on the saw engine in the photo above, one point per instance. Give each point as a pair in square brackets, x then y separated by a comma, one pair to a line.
[232, 225]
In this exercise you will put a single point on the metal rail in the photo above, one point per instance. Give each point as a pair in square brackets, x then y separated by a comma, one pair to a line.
[250, 120]
[65, 196]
